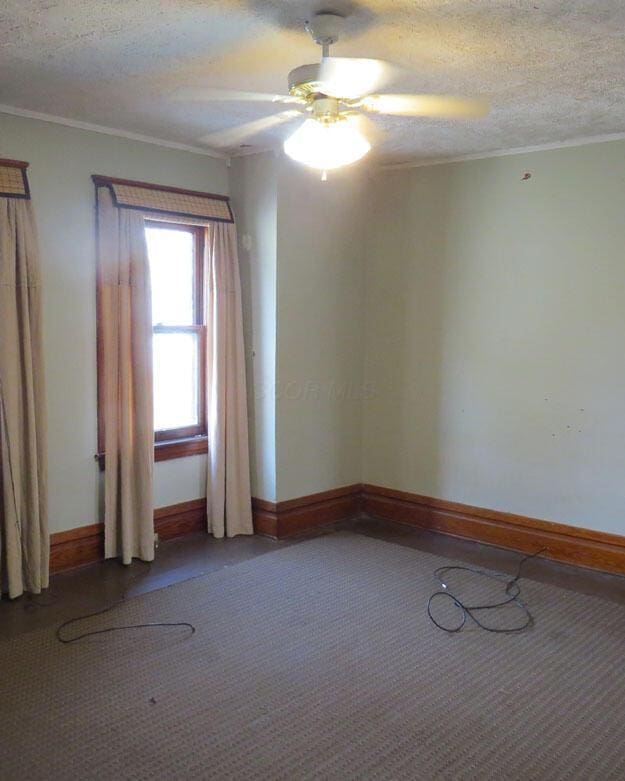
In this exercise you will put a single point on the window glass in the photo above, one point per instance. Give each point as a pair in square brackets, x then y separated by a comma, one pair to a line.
[172, 262]
[175, 380]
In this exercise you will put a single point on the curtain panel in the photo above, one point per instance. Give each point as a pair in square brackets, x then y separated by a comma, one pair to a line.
[125, 376]
[229, 503]
[24, 538]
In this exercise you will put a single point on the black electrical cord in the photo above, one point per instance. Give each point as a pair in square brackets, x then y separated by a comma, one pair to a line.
[512, 597]
[123, 627]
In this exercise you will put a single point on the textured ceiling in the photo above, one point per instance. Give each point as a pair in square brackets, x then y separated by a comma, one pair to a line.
[553, 69]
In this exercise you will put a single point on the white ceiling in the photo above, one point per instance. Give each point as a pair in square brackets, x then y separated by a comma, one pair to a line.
[554, 69]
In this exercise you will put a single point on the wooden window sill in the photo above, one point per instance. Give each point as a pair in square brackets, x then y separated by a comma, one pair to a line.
[178, 448]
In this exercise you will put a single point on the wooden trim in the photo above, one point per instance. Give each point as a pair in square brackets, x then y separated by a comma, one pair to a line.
[198, 327]
[572, 545]
[180, 448]
[167, 450]
[264, 504]
[569, 544]
[76, 547]
[13, 163]
[100, 181]
[176, 434]
[293, 516]
[265, 518]
[323, 497]
[85, 545]
[180, 519]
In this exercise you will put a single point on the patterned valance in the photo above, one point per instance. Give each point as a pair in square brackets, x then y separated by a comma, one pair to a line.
[170, 201]
[13, 179]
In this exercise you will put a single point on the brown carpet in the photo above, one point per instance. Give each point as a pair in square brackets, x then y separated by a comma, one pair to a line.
[318, 662]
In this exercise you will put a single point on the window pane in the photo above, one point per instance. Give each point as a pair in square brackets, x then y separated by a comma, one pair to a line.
[175, 380]
[171, 270]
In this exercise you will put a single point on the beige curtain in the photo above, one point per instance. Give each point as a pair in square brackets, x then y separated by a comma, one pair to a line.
[228, 490]
[126, 352]
[24, 540]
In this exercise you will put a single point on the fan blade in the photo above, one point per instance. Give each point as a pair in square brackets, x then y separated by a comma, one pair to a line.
[213, 93]
[353, 77]
[444, 106]
[235, 135]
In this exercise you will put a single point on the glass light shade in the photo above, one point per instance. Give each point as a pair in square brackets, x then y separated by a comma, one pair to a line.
[326, 145]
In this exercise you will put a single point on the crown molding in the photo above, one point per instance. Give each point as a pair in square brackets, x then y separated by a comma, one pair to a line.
[519, 150]
[111, 131]
[207, 152]
[257, 150]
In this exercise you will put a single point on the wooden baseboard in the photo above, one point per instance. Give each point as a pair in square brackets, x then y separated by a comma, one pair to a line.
[180, 519]
[293, 516]
[75, 547]
[570, 544]
[265, 516]
[85, 545]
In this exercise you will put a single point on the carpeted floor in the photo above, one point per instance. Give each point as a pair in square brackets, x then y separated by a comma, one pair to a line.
[318, 662]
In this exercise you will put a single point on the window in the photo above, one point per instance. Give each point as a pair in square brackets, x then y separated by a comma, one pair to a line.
[175, 253]
[176, 260]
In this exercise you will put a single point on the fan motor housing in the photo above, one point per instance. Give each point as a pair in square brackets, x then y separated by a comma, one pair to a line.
[304, 81]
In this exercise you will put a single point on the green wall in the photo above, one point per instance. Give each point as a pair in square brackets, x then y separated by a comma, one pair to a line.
[495, 334]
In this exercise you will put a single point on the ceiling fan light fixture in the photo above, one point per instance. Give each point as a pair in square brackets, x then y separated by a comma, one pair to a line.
[326, 145]
[339, 91]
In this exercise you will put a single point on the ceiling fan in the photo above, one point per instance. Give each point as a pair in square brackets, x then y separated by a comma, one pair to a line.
[336, 95]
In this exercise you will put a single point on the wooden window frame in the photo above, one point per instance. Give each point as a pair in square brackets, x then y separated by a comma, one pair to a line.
[188, 440]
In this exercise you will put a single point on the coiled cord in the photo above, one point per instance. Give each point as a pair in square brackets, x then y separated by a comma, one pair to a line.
[512, 596]
[123, 627]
